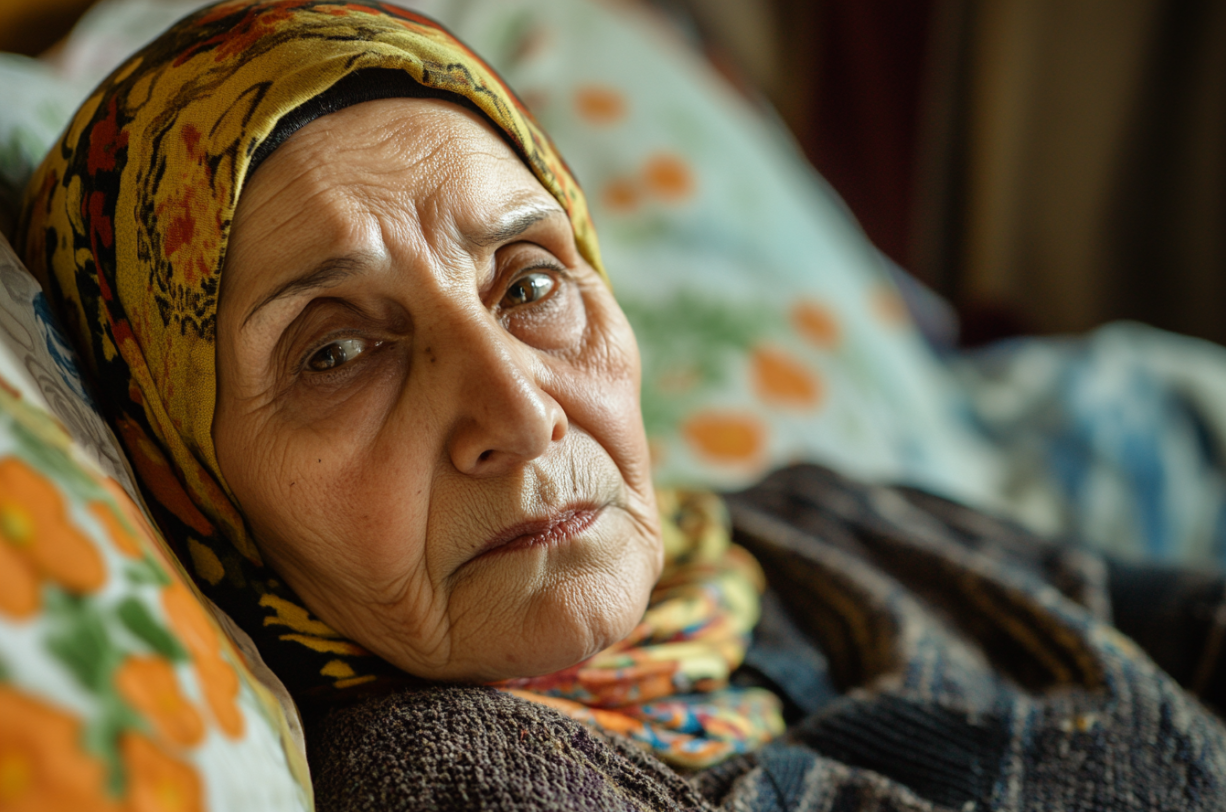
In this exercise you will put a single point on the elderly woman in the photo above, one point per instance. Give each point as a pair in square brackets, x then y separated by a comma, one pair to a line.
[344, 306]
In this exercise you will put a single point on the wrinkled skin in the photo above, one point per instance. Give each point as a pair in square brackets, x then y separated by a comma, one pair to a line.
[428, 400]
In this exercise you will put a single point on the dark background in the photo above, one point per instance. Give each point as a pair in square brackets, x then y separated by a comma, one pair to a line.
[1048, 165]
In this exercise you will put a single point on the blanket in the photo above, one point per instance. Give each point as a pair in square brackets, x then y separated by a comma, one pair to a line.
[968, 664]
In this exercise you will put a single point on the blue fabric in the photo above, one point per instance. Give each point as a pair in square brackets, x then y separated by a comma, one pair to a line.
[1116, 437]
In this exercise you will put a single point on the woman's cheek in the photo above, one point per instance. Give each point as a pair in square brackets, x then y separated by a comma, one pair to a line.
[321, 470]
[605, 399]
[557, 325]
[350, 402]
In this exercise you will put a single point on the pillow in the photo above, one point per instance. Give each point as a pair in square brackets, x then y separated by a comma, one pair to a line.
[35, 104]
[771, 330]
[117, 682]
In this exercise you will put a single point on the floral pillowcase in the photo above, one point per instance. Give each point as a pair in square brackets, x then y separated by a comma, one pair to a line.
[118, 686]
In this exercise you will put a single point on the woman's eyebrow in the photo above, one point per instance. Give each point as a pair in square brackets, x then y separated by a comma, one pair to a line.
[512, 226]
[328, 273]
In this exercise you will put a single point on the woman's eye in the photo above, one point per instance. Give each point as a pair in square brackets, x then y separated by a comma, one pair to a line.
[527, 289]
[336, 353]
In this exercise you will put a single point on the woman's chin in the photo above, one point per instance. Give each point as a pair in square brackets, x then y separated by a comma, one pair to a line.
[557, 636]
[574, 619]
[482, 664]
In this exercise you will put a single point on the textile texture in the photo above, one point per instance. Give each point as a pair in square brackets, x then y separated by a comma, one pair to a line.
[1117, 436]
[127, 220]
[118, 687]
[976, 666]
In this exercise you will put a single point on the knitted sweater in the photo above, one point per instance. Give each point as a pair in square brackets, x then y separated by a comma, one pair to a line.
[976, 668]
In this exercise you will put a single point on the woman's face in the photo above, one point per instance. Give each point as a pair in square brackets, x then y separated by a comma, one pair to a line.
[428, 400]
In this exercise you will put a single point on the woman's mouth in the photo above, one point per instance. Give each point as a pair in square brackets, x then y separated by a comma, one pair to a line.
[544, 532]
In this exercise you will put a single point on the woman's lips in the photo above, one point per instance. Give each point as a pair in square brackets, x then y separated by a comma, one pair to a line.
[544, 532]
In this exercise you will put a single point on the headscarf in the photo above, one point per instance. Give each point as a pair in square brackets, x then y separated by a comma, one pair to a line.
[127, 223]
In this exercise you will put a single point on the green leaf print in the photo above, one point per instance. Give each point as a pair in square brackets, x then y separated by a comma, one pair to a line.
[102, 737]
[690, 345]
[79, 640]
[147, 571]
[137, 618]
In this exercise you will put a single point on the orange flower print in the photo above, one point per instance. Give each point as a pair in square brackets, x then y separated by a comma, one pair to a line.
[218, 678]
[19, 580]
[221, 686]
[817, 324]
[127, 521]
[42, 765]
[149, 685]
[600, 105]
[189, 619]
[668, 178]
[726, 437]
[781, 380]
[120, 535]
[143, 538]
[620, 195]
[158, 782]
[39, 541]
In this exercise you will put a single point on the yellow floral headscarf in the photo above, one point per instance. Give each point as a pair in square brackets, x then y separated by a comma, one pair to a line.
[127, 223]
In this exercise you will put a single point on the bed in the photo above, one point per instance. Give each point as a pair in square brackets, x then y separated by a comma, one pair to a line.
[771, 330]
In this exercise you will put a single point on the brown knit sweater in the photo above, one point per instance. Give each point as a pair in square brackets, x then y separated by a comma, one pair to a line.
[976, 668]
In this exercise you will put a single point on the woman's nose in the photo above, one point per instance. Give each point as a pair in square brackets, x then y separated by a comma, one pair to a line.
[504, 417]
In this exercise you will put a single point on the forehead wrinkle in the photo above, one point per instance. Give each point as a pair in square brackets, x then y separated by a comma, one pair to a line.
[428, 233]
[511, 210]
[401, 197]
[297, 272]
[396, 138]
[301, 188]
